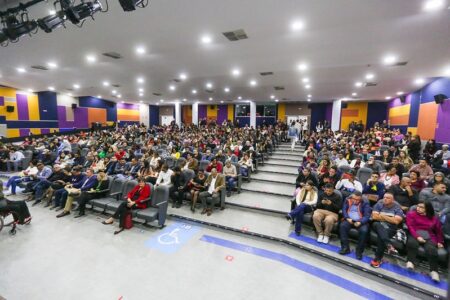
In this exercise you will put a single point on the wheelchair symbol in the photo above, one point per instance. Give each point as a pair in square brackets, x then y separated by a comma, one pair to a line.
[172, 237]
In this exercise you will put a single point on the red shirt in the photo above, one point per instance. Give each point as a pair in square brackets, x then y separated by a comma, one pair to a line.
[144, 194]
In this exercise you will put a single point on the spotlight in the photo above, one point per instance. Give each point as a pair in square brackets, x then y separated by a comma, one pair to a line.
[78, 13]
[14, 29]
[52, 21]
[130, 5]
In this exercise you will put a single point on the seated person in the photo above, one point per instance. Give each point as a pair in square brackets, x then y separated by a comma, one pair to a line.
[386, 215]
[191, 163]
[15, 159]
[373, 165]
[60, 195]
[438, 198]
[96, 192]
[349, 185]
[404, 194]
[331, 177]
[357, 163]
[417, 183]
[326, 214]
[400, 168]
[134, 200]
[208, 155]
[425, 171]
[213, 185]
[304, 177]
[356, 214]
[40, 188]
[197, 185]
[373, 189]
[214, 164]
[245, 164]
[424, 230]
[178, 188]
[19, 209]
[304, 202]
[42, 174]
[230, 173]
[439, 177]
[13, 181]
[165, 176]
[390, 177]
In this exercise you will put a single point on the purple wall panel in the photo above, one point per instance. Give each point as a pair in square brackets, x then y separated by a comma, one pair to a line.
[80, 118]
[329, 112]
[443, 123]
[222, 113]
[22, 107]
[396, 102]
[45, 131]
[202, 110]
[24, 132]
[127, 106]
[2, 101]
[62, 121]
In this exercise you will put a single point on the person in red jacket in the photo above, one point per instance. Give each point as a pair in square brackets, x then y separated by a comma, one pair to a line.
[136, 199]
[120, 154]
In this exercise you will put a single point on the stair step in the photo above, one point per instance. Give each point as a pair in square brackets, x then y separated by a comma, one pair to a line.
[276, 188]
[286, 157]
[271, 177]
[278, 169]
[292, 153]
[270, 202]
[281, 162]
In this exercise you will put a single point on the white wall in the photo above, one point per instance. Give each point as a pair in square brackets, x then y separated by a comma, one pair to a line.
[65, 100]
[144, 114]
[336, 115]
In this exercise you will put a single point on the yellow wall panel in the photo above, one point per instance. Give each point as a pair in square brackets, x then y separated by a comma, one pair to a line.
[13, 116]
[35, 130]
[127, 112]
[413, 130]
[33, 107]
[360, 107]
[7, 92]
[12, 133]
[400, 110]
[281, 111]
[231, 112]
[211, 111]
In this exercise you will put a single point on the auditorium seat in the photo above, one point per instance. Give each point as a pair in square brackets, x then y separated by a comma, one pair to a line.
[158, 207]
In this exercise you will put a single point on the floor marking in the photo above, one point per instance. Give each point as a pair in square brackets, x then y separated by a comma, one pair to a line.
[310, 269]
[385, 266]
[229, 258]
[172, 238]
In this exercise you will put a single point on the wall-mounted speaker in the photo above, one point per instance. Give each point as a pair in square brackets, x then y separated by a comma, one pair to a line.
[74, 105]
[9, 108]
[440, 98]
[402, 99]
[212, 107]
[344, 105]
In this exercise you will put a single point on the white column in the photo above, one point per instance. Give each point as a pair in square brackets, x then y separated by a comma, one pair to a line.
[178, 114]
[195, 113]
[336, 115]
[253, 114]
[144, 114]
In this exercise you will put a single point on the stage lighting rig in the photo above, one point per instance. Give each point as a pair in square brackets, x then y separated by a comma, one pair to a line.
[15, 28]
[51, 22]
[130, 5]
[78, 13]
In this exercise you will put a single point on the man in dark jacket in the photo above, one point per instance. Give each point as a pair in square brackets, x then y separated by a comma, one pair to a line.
[304, 176]
[356, 212]
[180, 183]
[404, 194]
[326, 213]
[58, 175]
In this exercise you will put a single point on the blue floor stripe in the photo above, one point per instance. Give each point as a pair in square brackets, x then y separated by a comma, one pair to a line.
[310, 269]
[385, 266]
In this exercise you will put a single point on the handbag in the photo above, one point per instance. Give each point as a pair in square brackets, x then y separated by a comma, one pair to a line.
[128, 220]
[424, 234]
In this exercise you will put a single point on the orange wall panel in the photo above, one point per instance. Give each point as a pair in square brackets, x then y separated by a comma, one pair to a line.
[426, 127]
[96, 115]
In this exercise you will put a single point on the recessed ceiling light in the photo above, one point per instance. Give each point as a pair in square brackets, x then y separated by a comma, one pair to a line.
[141, 90]
[183, 76]
[140, 50]
[30, 90]
[172, 87]
[91, 58]
[76, 86]
[253, 82]
[69, 94]
[141, 94]
[105, 83]
[309, 100]
[370, 76]
[226, 90]
[302, 67]
[297, 25]
[276, 100]
[272, 96]
[194, 91]
[50, 88]
[210, 99]
[419, 81]
[206, 39]
[141, 101]
[99, 96]
[388, 98]
[308, 86]
[119, 96]
[309, 95]
[114, 92]
[236, 72]
[389, 59]
[122, 101]
[305, 80]
[52, 65]
[21, 70]
[162, 100]
[209, 85]
[239, 98]
[354, 94]
[221, 101]
[140, 80]
[431, 5]
[358, 84]
[184, 100]
[399, 93]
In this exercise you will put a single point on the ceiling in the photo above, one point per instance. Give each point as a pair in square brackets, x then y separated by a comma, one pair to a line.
[341, 42]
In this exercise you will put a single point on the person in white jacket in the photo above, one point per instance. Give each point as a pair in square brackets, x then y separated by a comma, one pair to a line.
[348, 186]
[164, 177]
[305, 201]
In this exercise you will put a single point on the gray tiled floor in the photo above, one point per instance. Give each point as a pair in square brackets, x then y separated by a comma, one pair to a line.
[279, 169]
[286, 178]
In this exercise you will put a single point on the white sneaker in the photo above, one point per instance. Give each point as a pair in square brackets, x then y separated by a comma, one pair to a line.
[435, 276]
[410, 265]
[326, 239]
[320, 238]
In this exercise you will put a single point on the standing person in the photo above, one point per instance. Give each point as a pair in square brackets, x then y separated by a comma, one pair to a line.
[304, 202]
[424, 230]
[135, 200]
[326, 213]
[293, 135]
[414, 147]
[387, 215]
[356, 212]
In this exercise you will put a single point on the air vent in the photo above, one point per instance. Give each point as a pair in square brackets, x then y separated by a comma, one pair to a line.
[42, 68]
[235, 35]
[399, 64]
[176, 80]
[279, 88]
[69, 89]
[114, 55]
[157, 94]
[116, 85]
[209, 91]
[266, 73]
[285, 99]
[370, 84]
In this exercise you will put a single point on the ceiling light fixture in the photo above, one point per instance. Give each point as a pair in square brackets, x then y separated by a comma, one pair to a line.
[194, 91]
[141, 94]
[76, 86]
[432, 5]
[50, 88]
[52, 65]
[105, 83]
[30, 90]
[130, 5]
[253, 83]
[184, 100]
[302, 67]
[308, 86]
[419, 81]
[370, 76]
[305, 80]
[161, 100]
[140, 80]
[53, 21]
[209, 85]
[69, 94]
[354, 94]
[447, 72]
[172, 87]
[21, 70]
[91, 58]
[99, 96]
[309, 100]
[183, 76]
[309, 95]
[388, 98]
[119, 96]
[113, 92]
[358, 84]
[399, 93]
[140, 50]
[236, 72]
[272, 96]
[389, 60]
[276, 100]
[78, 13]
[206, 39]
[221, 101]
[141, 90]
[210, 99]
[297, 25]
[226, 90]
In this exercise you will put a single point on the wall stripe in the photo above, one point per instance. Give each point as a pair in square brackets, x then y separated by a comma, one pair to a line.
[281, 111]
[33, 107]
[231, 112]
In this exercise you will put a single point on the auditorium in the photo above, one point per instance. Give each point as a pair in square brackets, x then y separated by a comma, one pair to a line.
[226, 150]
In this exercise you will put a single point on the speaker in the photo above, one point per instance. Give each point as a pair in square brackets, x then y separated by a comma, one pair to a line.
[344, 105]
[212, 107]
[402, 99]
[9, 108]
[74, 105]
[439, 99]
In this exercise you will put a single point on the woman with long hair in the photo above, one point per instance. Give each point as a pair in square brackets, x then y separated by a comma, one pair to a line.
[304, 202]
